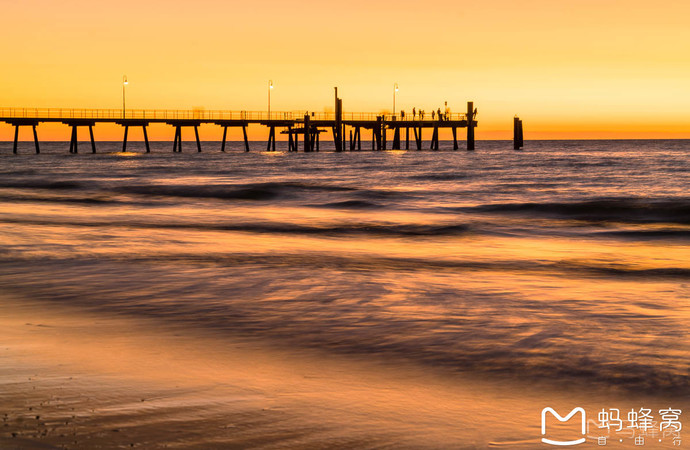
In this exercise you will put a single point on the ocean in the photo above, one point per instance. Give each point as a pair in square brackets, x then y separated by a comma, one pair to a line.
[564, 264]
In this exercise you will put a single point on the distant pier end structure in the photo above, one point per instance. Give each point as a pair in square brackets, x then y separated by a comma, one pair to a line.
[518, 141]
[293, 123]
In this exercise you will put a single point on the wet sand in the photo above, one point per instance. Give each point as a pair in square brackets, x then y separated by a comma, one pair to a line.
[69, 379]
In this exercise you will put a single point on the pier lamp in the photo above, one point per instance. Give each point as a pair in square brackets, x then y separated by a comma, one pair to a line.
[124, 83]
[270, 87]
[395, 92]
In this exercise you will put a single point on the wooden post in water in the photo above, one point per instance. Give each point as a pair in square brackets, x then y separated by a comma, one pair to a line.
[73, 145]
[198, 142]
[396, 138]
[307, 130]
[246, 141]
[93, 141]
[383, 132]
[225, 135]
[16, 138]
[338, 125]
[124, 141]
[177, 131]
[38, 150]
[517, 133]
[146, 140]
[470, 125]
[271, 137]
[434, 138]
[418, 136]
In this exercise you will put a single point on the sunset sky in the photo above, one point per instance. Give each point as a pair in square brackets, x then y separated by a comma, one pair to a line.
[570, 69]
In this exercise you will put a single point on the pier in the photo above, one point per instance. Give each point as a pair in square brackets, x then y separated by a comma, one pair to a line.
[346, 128]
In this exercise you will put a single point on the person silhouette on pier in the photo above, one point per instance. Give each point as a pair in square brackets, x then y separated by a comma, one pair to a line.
[438, 113]
[414, 113]
[433, 115]
[402, 114]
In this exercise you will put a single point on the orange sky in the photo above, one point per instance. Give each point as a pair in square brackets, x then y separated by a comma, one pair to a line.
[586, 68]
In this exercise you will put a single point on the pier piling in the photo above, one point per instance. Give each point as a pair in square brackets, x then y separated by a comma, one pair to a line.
[38, 150]
[471, 112]
[225, 135]
[517, 133]
[124, 141]
[307, 134]
[198, 142]
[16, 138]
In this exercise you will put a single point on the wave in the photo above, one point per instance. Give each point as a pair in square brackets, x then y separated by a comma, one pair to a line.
[469, 336]
[351, 204]
[42, 184]
[632, 210]
[451, 176]
[251, 191]
[648, 234]
[343, 229]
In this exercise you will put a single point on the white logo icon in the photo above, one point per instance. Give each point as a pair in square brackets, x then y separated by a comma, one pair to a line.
[562, 419]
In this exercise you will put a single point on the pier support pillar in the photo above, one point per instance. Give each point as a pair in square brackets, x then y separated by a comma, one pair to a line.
[33, 125]
[407, 138]
[307, 133]
[383, 133]
[455, 138]
[378, 132]
[225, 135]
[246, 141]
[16, 138]
[177, 144]
[271, 146]
[146, 139]
[124, 141]
[73, 141]
[471, 112]
[517, 133]
[396, 138]
[434, 138]
[93, 141]
[38, 149]
[338, 129]
[198, 142]
[418, 137]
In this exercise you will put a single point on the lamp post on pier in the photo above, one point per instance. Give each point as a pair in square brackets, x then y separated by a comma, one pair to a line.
[395, 92]
[124, 84]
[270, 87]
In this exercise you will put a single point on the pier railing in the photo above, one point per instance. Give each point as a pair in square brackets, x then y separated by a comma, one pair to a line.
[203, 114]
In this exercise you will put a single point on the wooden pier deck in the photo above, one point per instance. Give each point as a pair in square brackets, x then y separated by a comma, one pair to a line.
[310, 125]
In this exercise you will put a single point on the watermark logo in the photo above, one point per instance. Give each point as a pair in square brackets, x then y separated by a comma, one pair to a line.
[637, 427]
[563, 419]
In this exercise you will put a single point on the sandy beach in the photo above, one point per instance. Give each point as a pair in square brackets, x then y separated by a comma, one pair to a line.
[74, 380]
